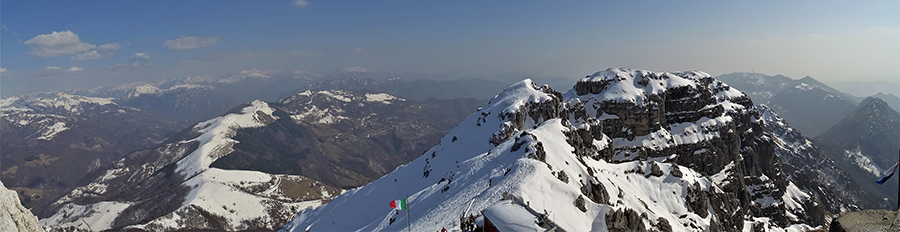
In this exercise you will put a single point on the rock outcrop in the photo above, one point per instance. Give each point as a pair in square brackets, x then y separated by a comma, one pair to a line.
[13, 216]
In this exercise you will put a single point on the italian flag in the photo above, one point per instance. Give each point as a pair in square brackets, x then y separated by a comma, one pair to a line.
[399, 204]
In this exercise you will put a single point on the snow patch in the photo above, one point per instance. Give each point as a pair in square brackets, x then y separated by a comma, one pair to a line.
[382, 98]
[95, 217]
[863, 161]
[49, 132]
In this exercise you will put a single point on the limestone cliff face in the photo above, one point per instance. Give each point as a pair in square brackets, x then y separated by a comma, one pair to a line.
[623, 115]
[13, 216]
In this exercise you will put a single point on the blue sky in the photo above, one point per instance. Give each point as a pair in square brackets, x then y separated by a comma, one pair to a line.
[126, 41]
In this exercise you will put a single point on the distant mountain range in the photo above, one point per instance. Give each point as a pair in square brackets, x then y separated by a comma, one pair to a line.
[252, 168]
[809, 105]
[194, 98]
[868, 88]
[421, 89]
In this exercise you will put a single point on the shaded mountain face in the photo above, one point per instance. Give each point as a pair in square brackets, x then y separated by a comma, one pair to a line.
[625, 150]
[865, 144]
[805, 163]
[891, 99]
[809, 105]
[51, 140]
[344, 138]
[255, 167]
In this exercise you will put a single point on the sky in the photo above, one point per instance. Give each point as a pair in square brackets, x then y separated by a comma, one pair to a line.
[53, 45]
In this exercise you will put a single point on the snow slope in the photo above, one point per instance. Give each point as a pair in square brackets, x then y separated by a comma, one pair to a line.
[587, 158]
[239, 200]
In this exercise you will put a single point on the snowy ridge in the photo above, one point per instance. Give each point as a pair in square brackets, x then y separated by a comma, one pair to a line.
[333, 113]
[148, 89]
[48, 114]
[215, 138]
[551, 151]
[253, 73]
[56, 102]
[241, 199]
[807, 167]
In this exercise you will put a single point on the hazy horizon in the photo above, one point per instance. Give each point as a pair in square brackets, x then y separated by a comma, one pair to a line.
[61, 45]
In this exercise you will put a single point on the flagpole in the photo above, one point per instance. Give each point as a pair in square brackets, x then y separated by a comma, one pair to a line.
[408, 227]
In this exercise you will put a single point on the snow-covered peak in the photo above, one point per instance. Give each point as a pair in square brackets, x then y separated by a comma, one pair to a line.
[514, 97]
[635, 85]
[144, 89]
[154, 90]
[625, 150]
[345, 96]
[252, 73]
[215, 138]
[72, 101]
[630, 74]
[332, 106]
[57, 101]
[356, 69]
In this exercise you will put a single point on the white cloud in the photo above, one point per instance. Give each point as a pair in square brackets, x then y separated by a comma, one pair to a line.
[75, 69]
[190, 42]
[2, 70]
[109, 47]
[140, 56]
[52, 68]
[360, 50]
[300, 3]
[57, 43]
[91, 55]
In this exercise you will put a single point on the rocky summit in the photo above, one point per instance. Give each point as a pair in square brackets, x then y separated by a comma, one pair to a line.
[624, 150]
